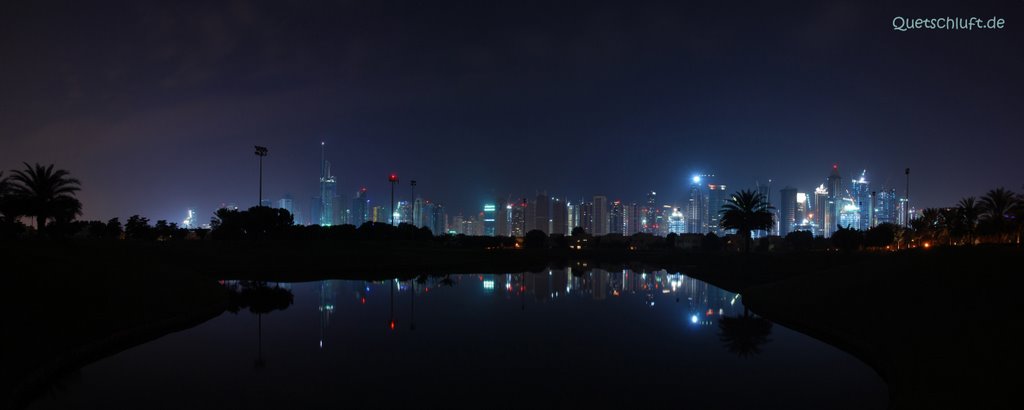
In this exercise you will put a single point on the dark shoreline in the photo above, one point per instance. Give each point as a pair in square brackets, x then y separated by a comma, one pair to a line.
[778, 286]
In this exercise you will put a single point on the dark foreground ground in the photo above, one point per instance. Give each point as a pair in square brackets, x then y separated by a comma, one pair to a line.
[939, 325]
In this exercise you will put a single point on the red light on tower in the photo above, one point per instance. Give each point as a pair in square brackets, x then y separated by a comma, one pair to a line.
[835, 166]
[392, 324]
[393, 177]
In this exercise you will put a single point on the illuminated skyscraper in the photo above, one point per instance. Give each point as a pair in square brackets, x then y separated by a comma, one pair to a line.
[328, 189]
[717, 197]
[587, 216]
[676, 222]
[600, 215]
[834, 184]
[887, 208]
[518, 218]
[287, 203]
[616, 218]
[650, 216]
[820, 211]
[359, 212]
[573, 211]
[632, 219]
[696, 207]
[438, 219]
[787, 210]
[489, 218]
[860, 194]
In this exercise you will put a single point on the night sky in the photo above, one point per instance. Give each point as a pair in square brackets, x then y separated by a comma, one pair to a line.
[156, 107]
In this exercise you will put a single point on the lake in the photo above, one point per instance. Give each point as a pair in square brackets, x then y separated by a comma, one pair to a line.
[555, 338]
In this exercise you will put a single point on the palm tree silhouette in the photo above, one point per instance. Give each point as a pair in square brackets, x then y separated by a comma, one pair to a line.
[996, 205]
[745, 212]
[969, 212]
[744, 335]
[45, 193]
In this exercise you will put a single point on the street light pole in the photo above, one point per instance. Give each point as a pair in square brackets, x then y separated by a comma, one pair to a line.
[906, 210]
[261, 152]
[393, 178]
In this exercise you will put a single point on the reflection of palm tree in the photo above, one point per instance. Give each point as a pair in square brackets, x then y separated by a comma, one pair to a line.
[45, 193]
[746, 211]
[744, 335]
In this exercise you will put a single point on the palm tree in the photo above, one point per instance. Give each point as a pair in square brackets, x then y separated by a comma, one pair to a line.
[996, 206]
[744, 335]
[969, 211]
[45, 193]
[745, 212]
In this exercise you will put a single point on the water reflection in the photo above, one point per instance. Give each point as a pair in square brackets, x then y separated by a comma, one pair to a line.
[562, 337]
[260, 298]
[702, 305]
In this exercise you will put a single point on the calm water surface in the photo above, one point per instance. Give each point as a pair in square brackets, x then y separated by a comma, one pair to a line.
[600, 339]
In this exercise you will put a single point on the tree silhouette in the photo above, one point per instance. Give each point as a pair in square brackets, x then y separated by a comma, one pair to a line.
[45, 193]
[970, 210]
[744, 334]
[998, 206]
[745, 212]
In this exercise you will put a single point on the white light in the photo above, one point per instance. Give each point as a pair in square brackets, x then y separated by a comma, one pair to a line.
[696, 179]
[693, 319]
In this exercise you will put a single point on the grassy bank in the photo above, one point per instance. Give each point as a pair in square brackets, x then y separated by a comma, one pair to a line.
[940, 326]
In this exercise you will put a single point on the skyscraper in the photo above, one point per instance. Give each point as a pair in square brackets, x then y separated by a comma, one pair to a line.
[489, 218]
[328, 189]
[834, 184]
[861, 196]
[287, 203]
[676, 222]
[787, 210]
[888, 209]
[502, 217]
[696, 207]
[439, 220]
[717, 197]
[616, 218]
[542, 212]
[820, 211]
[650, 214]
[359, 212]
[559, 217]
[587, 216]
[600, 215]
[632, 218]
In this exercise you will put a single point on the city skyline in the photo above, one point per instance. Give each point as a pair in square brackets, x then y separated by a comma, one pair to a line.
[610, 99]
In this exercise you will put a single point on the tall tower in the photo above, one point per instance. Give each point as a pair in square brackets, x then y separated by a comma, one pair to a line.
[328, 189]
[787, 209]
[696, 209]
[559, 217]
[542, 213]
[861, 194]
[717, 197]
[600, 215]
[834, 185]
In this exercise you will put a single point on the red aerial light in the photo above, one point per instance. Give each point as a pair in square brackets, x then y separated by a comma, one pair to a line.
[392, 325]
[709, 312]
[362, 300]
[393, 178]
